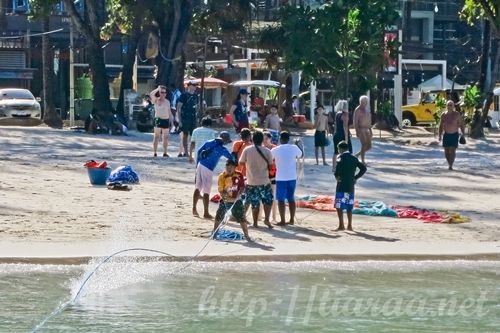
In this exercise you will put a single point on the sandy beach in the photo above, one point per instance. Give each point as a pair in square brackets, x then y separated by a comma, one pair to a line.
[48, 209]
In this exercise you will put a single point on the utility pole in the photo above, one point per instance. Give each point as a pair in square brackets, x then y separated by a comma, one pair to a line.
[71, 78]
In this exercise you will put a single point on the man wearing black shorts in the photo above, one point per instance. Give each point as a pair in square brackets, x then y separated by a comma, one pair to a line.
[187, 105]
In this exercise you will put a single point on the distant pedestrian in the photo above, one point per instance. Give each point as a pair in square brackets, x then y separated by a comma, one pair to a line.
[187, 106]
[451, 122]
[320, 138]
[258, 161]
[345, 174]
[341, 131]
[286, 156]
[273, 120]
[201, 135]
[208, 156]
[363, 126]
[163, 118]
[239, 111]
[231, 186]
[240, 145]
[175, 94]
[295, 105]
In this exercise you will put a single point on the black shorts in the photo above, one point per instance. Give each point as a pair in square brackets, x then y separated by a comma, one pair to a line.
[336, 141]
[450, 140]
[162, 123]
[237, 210]
[188, 127]
[320, 139]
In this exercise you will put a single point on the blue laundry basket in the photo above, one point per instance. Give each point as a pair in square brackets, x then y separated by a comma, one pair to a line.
[98, 176]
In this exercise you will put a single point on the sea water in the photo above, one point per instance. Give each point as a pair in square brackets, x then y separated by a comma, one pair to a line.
[325, 296]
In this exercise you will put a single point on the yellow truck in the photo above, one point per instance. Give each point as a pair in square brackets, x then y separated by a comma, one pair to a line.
[422, 113]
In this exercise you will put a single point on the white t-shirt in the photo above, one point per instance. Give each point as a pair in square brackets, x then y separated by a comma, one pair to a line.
[201, 135]
[285, 157]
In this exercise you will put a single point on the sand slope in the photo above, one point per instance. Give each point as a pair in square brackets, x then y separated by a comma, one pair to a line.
[46, 200]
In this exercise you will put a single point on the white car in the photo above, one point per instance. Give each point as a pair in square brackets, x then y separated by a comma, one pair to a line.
[18, 103]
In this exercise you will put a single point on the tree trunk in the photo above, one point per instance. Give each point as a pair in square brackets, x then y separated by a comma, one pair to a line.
[477, 126]
[174, 32]
[50, 116]
[128, 69]
[485, 56]
[102, 102]
[89, 25]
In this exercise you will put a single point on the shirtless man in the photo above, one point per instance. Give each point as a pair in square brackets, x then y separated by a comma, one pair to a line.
[363, 126]
[451, 121]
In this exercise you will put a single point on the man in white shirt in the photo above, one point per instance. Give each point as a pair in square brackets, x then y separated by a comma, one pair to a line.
[285, 156]
[201, 135]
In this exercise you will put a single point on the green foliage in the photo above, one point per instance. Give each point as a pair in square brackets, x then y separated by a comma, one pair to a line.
[40, 8]
[337, 38]
[474, 10]
[472, 99]
[440, 107]
[385, 109]
[222, 17]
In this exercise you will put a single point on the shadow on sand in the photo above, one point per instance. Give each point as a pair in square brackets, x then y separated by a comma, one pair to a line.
[373, 237]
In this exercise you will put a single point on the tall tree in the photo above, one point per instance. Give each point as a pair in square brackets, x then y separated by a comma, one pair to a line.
[229, 20]
[342, 40]
[488, 10]
[89, 23]
[42, 11]
[172, 19]
[125, 17]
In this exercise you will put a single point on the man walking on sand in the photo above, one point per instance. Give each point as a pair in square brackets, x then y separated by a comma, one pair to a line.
[207, 158]
[286, 156]
[258, 161]
[451, 121]
[363, 126]
[345, 173]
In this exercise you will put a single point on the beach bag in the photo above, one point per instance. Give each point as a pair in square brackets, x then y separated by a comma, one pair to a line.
[462, 140]
[124, 174]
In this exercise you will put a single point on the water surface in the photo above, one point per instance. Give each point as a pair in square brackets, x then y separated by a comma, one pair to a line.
[373, 296]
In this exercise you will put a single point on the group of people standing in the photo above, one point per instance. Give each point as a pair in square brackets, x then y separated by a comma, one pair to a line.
[247, 181]
[183, 115]
[339, 127]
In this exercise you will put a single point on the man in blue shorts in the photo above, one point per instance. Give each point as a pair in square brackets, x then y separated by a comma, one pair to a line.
[345, 173]
[285, 156]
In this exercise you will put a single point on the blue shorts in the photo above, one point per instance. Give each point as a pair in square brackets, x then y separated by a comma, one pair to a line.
[285, 189]
[344, 200]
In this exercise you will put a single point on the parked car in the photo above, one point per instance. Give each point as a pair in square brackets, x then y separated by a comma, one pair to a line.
[18, 103]
[423, 113]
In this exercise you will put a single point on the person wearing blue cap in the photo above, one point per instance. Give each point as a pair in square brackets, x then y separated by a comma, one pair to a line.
[239, 111]
[208, 156]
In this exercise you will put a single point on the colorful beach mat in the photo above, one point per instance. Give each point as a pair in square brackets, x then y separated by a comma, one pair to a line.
[379, 208]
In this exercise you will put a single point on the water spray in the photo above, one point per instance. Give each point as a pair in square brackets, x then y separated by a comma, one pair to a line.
[190, 261]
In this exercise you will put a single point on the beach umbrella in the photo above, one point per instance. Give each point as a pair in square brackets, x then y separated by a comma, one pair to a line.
[209, 82]
[257, 83]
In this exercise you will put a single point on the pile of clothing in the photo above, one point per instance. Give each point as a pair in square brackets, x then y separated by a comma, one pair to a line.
[379, 208]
